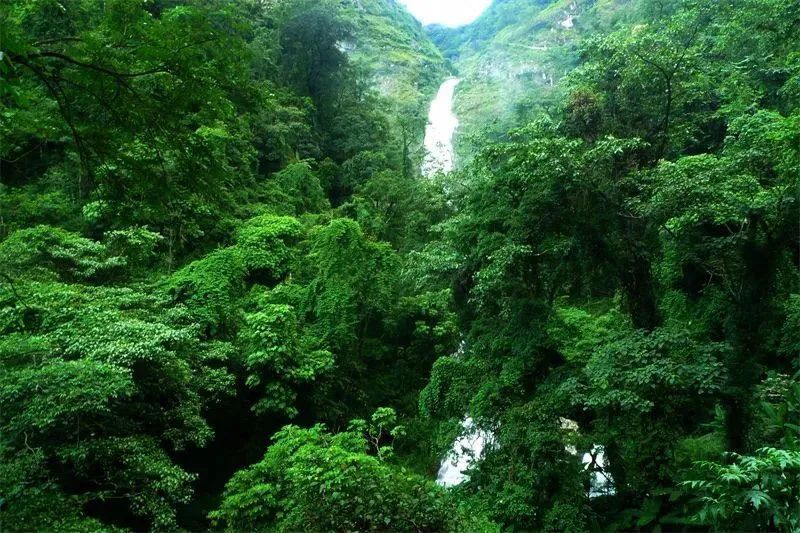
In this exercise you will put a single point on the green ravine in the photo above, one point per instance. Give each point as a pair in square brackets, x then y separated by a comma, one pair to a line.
[232, 297]
[513, 57]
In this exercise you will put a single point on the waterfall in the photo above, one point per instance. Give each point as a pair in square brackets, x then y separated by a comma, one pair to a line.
[466, 448]
[442, 124]
[469, 447]
[440, 157]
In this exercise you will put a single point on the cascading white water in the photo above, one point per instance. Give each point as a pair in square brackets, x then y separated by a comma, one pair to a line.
[440, 157]
[469, 447]
[466, 449]
[442, 124]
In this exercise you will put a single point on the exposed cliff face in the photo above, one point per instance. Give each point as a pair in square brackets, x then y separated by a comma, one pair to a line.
[393, 45]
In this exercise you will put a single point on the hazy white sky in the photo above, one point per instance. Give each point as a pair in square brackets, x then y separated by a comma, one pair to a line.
[447, 12]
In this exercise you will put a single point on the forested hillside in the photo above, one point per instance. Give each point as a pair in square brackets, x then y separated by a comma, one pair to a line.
[512, 58]
[399, 61]
[394, 49]
[229, 300]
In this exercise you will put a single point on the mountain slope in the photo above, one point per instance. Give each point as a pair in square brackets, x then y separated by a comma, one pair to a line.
[395, 47]
[513, 57]
[404, 65]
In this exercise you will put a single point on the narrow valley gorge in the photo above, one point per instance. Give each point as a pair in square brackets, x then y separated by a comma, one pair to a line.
[311, 265]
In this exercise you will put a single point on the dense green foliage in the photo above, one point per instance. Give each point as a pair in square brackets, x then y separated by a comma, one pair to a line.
[629, 263]
[172, 269]
[228, 301]
[311, 480]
